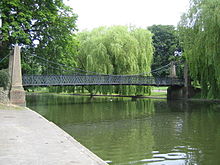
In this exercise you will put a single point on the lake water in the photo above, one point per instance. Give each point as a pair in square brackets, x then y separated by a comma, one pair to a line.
[144, 131]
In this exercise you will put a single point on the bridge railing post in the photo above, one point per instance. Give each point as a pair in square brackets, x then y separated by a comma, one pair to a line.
[17, 93]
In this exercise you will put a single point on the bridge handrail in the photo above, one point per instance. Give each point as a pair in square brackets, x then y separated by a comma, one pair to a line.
[74, 80]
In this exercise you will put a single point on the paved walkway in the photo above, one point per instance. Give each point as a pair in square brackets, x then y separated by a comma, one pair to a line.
[26, 138]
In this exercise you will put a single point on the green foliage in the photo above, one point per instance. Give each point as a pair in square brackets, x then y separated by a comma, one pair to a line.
[43, 27]
[4, 78]
[116, 50]
[200, 35]
[166, 42]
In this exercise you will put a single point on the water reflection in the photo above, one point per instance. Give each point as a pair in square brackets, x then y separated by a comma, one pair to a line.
[122, 131]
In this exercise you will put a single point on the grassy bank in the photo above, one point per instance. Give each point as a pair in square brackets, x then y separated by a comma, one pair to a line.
[157, 92]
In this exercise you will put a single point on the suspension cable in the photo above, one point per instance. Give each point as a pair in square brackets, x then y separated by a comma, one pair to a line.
[4, 58]
[84, 71]
[64, 70]
[62, 64]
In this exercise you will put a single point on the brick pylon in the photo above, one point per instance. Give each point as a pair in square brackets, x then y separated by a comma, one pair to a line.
[17, 93]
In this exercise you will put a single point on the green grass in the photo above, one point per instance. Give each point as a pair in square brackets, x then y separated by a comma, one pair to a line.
[158, 94]
[159, 88]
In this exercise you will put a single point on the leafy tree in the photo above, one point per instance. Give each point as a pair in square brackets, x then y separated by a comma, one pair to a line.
[200, 34]
[166, 44]
[116, 50]
[4, 79]
[44, 27]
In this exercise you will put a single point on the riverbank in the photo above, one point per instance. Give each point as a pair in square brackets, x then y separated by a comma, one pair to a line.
[27, 138]
[156, 95]
[114, 128]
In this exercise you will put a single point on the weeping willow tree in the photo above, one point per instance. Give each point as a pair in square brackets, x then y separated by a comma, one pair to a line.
[200, 33]
[117, 50]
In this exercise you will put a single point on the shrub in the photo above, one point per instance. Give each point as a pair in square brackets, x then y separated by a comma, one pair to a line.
[4, 78]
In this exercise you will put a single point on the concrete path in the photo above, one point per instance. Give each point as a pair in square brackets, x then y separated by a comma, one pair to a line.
[26, 138]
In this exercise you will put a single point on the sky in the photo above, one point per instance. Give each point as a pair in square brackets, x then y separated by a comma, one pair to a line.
[139, 13]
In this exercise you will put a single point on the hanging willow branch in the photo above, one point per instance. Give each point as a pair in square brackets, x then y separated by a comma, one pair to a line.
[117, 50]
[200, 33]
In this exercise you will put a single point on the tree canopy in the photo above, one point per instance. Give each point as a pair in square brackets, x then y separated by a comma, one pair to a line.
[166, 44]
[116, 50]
[41, 26]
[200, 35]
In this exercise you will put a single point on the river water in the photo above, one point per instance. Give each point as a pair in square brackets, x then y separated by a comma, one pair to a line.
[142, 131]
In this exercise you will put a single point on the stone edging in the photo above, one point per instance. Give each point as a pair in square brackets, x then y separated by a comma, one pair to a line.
[4, 96]
[81, 148]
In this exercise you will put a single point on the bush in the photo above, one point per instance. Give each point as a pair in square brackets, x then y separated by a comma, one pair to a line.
[4, 78]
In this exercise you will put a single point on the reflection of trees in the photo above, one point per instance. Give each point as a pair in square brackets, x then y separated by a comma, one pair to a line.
[84, 110]
[121, 141]
[194, 125]
[202, 131]
[167, 124]
[127, 130]
[112, 128]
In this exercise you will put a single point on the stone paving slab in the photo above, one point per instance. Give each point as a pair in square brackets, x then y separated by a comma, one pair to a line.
[26, 138]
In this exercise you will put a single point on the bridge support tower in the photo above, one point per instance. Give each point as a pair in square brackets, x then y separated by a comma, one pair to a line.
[181, 92]
[173, 70]
[17, 93]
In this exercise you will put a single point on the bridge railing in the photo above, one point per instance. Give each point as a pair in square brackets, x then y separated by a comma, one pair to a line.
[81, 80]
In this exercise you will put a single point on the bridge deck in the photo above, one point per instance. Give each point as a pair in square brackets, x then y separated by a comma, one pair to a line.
[82, 80]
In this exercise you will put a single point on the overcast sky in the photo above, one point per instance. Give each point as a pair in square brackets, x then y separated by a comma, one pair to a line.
[141, 13]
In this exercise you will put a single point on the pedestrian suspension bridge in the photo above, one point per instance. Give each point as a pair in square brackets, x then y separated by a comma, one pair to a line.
[79, 77]
[82, 80]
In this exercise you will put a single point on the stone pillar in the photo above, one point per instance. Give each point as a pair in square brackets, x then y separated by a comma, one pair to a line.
[17, 93]
[173, 70]
[4, 96]
[183, 92]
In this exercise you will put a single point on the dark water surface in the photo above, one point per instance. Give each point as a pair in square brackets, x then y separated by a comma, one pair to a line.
[145, 131]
